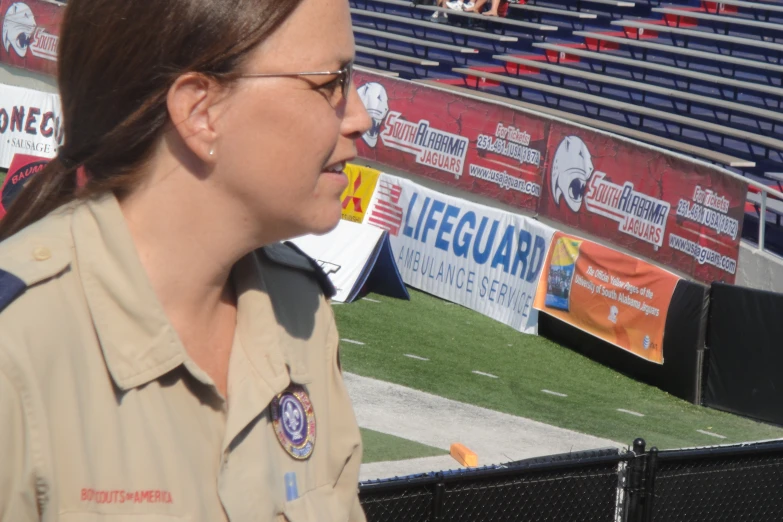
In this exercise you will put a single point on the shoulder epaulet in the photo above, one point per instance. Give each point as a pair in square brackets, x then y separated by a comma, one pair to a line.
[288, 254]
[11, 287]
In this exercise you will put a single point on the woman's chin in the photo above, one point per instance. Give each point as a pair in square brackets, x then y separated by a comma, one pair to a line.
[327, 222]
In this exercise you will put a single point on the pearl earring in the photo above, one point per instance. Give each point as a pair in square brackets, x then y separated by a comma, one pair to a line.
[211, 152]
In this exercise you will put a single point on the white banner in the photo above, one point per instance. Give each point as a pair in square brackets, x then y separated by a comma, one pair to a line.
[30, 123]
[480, 257]
[345, 254]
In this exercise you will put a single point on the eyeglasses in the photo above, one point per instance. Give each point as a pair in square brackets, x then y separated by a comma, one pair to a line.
[344, 78]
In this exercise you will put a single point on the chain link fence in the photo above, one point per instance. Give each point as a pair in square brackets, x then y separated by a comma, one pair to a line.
[580, 487]
[733, 484]
[730, 483]
[412, 502]
[585, 494]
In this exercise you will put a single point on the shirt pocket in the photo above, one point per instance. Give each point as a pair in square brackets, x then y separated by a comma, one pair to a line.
[92, 516]
[317, 505]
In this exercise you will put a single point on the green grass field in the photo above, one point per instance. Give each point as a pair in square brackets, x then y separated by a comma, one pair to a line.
[380, 447]
[458, 341]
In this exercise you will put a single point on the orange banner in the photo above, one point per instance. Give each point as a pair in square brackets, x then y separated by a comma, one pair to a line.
[613, 296]
[361, 186]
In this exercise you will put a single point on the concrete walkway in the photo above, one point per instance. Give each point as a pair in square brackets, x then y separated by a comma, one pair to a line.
[429, 419]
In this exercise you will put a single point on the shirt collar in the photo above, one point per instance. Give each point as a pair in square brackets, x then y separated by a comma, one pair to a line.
[139, 343]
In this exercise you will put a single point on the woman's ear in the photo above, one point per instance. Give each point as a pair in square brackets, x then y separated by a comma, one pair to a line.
[191, 103]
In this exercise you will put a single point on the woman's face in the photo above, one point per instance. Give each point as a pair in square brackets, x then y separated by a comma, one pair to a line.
[282, 141]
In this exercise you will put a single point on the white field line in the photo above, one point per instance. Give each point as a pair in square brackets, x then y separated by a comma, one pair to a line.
[351, 341]
[416, 357]
[629, 412]
[485, 374]
[557, 394]
[370, 300]
[711, 434]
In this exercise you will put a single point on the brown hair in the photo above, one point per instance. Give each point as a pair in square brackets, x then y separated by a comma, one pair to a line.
[117, 59]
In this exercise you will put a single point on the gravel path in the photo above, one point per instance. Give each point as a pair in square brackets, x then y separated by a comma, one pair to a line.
[429, 419]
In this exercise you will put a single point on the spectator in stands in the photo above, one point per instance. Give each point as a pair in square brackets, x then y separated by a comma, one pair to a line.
[437, 14]
[163, 355]
[497, 7]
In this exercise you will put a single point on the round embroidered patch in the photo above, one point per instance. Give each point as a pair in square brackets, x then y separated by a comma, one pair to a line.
[294, 421]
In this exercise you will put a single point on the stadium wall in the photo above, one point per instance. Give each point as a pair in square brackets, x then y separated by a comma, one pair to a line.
[10, 75]
[760, 270]
[679, 212]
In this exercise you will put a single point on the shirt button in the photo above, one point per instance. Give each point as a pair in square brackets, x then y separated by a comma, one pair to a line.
[42, 254]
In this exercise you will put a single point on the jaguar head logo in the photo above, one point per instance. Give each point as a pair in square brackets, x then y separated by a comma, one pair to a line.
[571, 170]
[18, 28]
[376, 101]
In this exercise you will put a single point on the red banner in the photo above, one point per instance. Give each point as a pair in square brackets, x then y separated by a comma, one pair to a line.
[31, 32]
[476, 146]
[676, 212]
[680, 213]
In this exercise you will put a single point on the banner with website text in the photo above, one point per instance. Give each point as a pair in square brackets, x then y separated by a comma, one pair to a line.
[480, 257]
[30, 123]
[480, 147]
[681, 214]
[31, 32]
[675, 211]
[611, 295]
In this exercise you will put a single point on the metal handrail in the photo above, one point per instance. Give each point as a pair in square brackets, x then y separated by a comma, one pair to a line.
[765, 192]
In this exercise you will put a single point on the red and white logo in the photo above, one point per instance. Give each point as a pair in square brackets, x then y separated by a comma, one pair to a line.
[430, 146]
[387, 213]
[352, 198]
[21, 34]
[376, 102]
[637, 214]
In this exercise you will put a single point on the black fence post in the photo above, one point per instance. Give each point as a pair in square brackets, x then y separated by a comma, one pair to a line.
[437, 502]
[649, 484]
[635, 480]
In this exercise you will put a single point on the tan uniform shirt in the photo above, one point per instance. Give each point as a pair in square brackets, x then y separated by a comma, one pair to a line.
[103, 415]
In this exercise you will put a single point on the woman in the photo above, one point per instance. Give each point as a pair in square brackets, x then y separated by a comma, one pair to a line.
[162, 355]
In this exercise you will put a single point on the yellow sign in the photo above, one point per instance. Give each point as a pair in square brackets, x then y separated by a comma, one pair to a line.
[361, 186]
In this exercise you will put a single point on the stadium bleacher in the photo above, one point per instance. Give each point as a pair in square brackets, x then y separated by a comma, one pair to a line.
[699, 77]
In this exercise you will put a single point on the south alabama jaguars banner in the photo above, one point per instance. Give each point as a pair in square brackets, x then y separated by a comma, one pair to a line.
[480, 257]
[681, 214]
